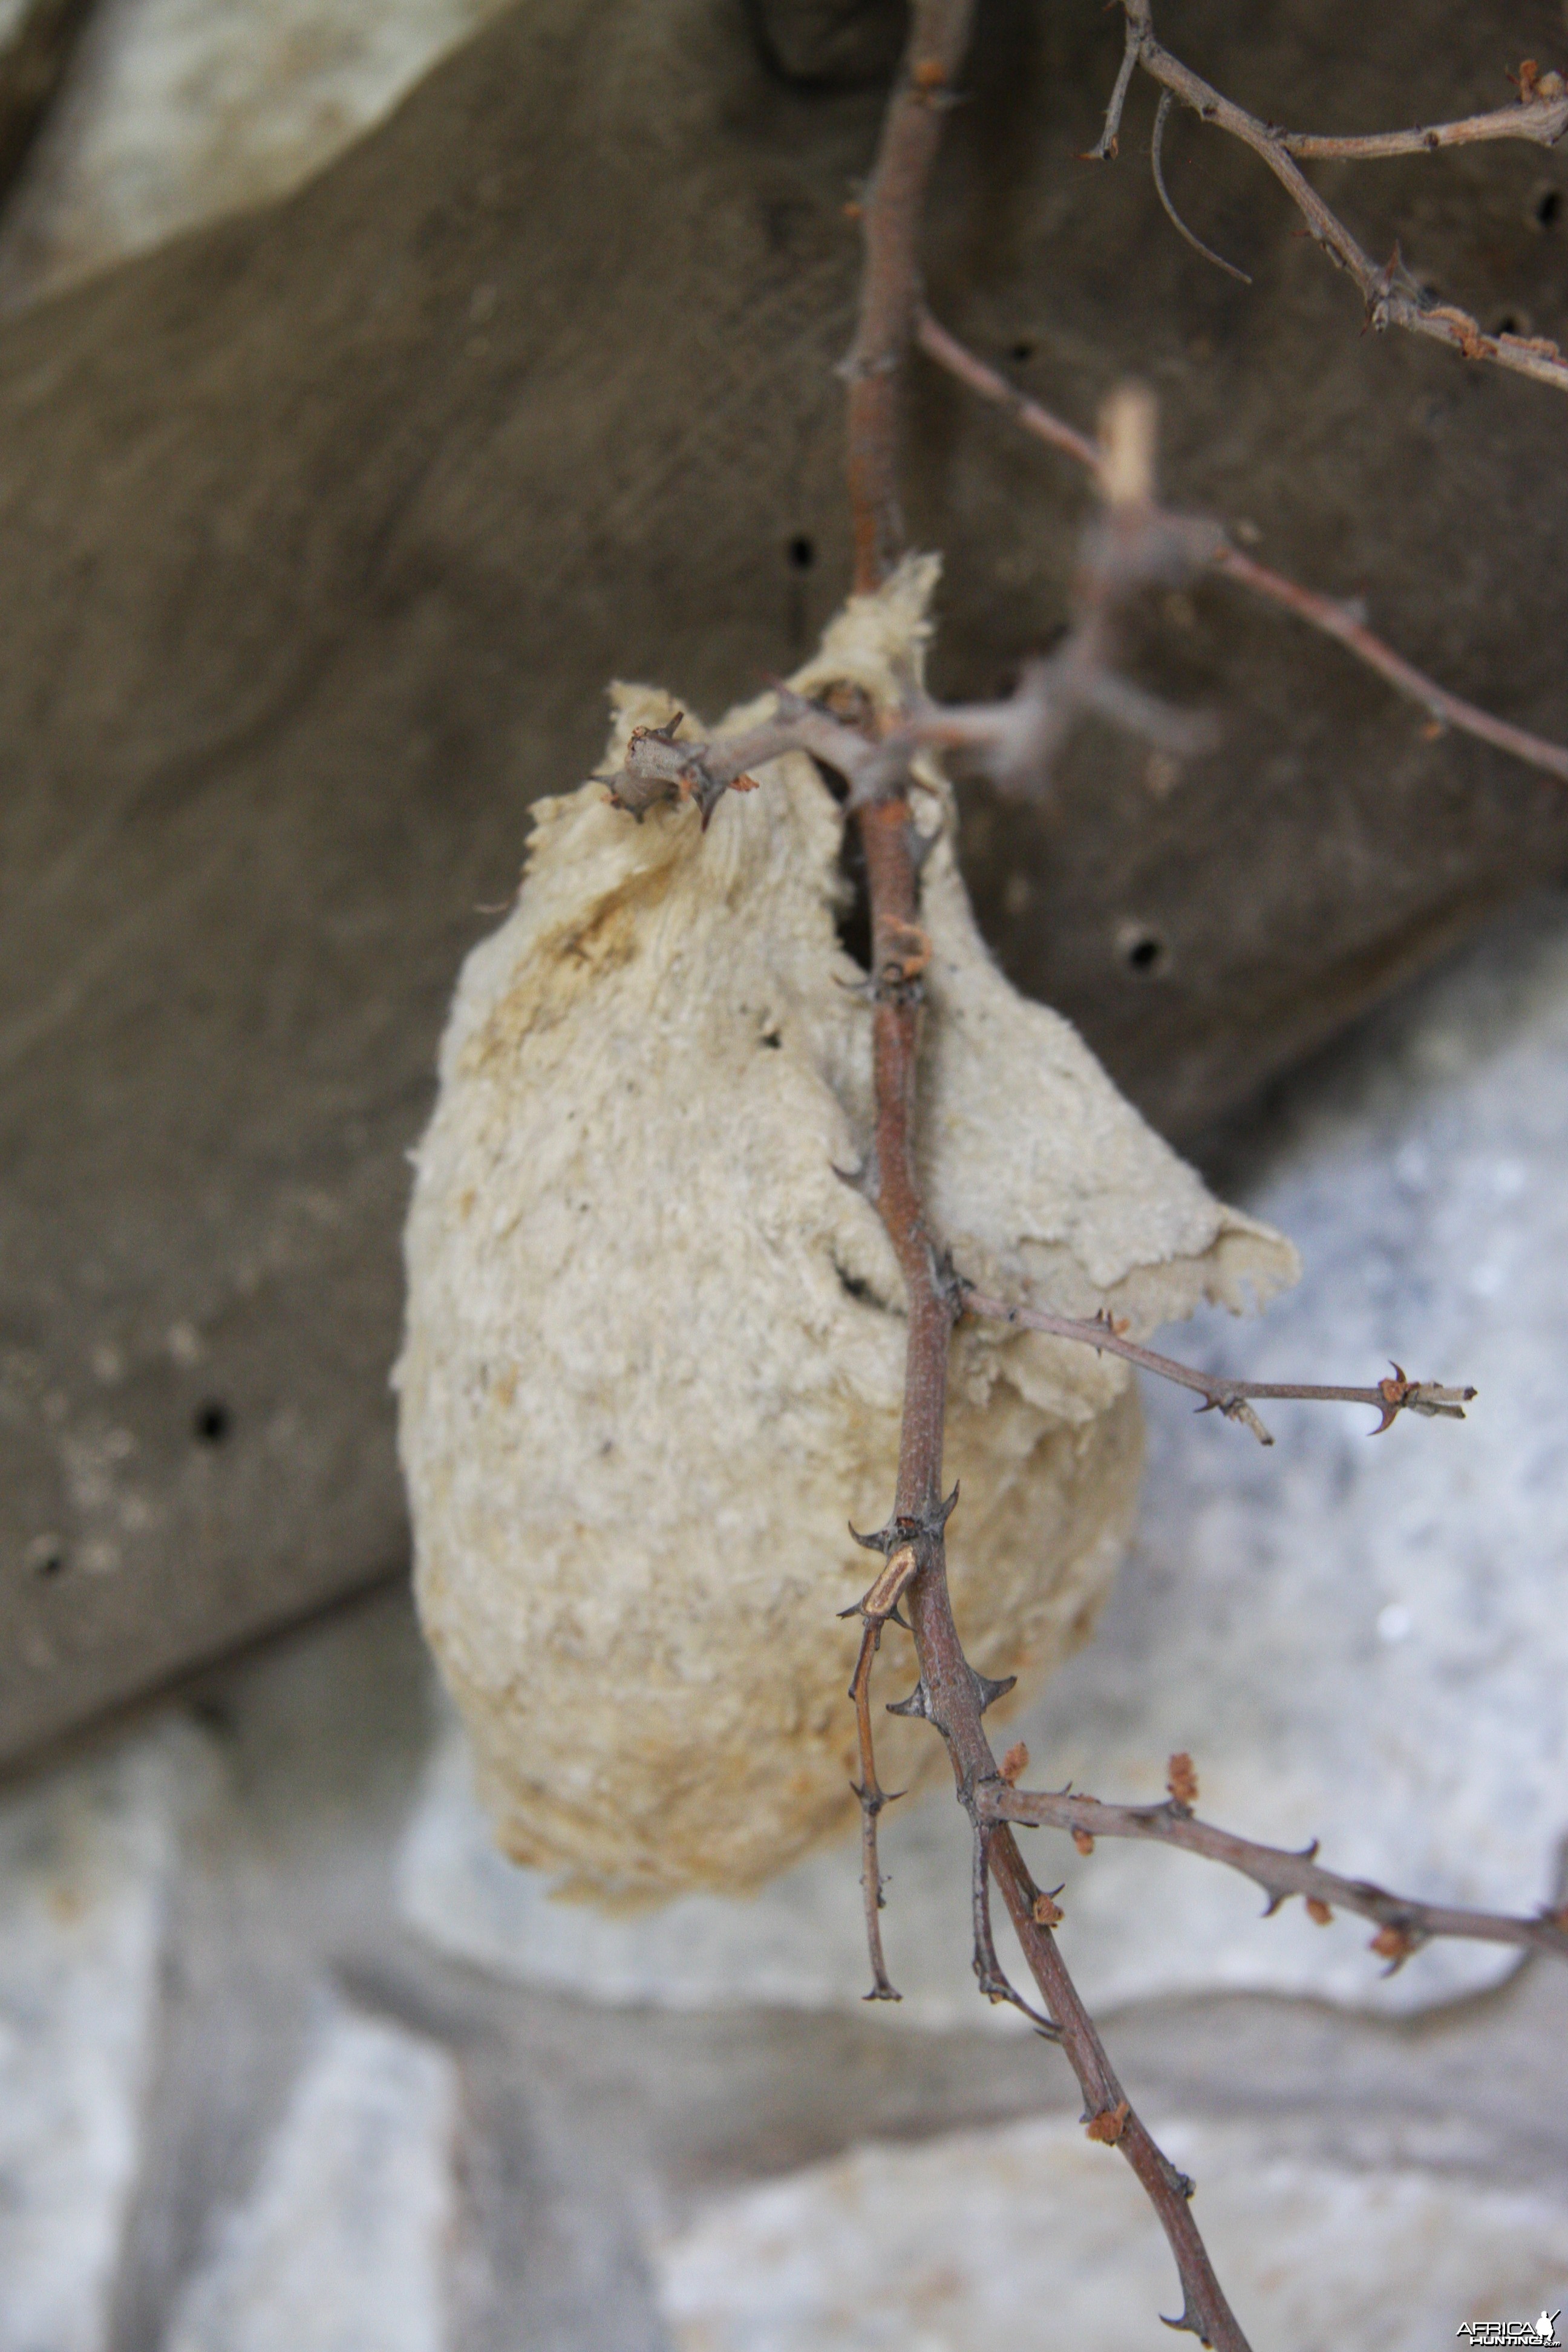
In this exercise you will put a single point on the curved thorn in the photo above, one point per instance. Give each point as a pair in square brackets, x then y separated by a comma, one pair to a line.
[988, 1689]
[1186, 2326]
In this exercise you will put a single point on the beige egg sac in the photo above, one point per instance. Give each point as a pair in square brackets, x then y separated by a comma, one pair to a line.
[655, 1344]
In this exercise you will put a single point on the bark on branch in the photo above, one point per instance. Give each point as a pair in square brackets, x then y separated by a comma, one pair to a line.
[1221, 1393]
[889, 286]
[1339, 621]
[1404, 1922]
[1392, 297]
[949, 1694]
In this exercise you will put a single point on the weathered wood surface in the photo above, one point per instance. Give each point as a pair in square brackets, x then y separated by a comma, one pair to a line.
[322, 529]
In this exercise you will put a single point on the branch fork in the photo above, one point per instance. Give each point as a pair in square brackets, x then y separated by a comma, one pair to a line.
[1391, 299]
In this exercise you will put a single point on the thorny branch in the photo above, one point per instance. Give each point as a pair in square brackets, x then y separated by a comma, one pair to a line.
[890, 209]
[880, 1604]
[1392, 297]
[949, 1694]
[1135, 546]
[1540, 117]
[1339, 621]
[1404, 1923]
[1222, 1394]
[1132, 544]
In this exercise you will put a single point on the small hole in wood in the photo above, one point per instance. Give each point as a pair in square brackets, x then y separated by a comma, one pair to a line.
[1142, 950]
[211, 1422]
[802, 552]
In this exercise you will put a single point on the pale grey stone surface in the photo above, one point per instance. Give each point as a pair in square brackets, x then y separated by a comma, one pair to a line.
[800, 1941]
[564, 2141]
[87, 1858]
[1366, 1642]
[342, 2246]
[1028, 2234]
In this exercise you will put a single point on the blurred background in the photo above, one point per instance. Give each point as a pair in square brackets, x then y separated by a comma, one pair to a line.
[378, 378]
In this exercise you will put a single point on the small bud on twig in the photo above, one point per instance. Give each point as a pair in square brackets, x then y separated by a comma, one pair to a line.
[1402, 1396]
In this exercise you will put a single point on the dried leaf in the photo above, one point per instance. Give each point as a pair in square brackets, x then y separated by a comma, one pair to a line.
[1317, 1910]
[1014, 1763]
[1108, 2125]
[1046, 1912]
[1083, 1841]
[1182, 1780]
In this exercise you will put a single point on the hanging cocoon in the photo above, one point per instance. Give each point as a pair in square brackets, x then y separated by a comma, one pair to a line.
[654, 1357]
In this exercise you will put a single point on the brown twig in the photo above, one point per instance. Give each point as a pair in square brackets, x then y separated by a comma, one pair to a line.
[1133, 543]
[889, 286]
[1404, 1923]
[662, 765]
[880, 1603]
[949, 1694]
[1391, 295]
[1335, 620]
[1134, 547]
[1222, 1394]
[1338, 620]
[872, 1797]
[1540, 117]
